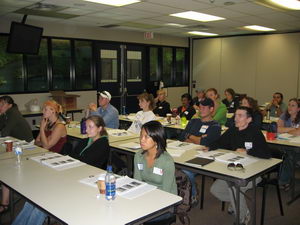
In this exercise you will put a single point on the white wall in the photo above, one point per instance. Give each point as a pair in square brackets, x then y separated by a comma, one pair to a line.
[256, 65]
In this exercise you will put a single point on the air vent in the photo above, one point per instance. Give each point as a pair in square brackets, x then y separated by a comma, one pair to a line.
[45, 7]
[110, 26]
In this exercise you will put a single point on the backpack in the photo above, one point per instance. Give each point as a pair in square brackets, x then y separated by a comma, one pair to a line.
[184, 188]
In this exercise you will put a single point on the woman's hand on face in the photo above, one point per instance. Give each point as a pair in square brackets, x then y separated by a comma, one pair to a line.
[44, 123]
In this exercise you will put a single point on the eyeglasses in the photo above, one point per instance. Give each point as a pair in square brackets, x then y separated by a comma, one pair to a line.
[235, 166]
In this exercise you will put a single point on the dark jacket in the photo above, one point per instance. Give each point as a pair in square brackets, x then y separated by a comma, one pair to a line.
[162, 108]
[189, 112]
[97, 154]
[13, 124]
[250, 138]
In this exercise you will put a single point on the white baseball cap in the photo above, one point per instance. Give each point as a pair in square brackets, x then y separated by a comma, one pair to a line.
[105, 94]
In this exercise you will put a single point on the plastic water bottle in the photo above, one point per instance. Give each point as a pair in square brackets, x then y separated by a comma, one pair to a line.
[124, 110]
[83, 126]
[18, 152]
[183, 121]
[110, 184]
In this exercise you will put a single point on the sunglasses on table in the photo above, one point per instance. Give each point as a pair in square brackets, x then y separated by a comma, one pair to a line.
[235, 166]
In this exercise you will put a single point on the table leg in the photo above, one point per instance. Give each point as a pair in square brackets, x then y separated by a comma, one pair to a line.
[253, 210]
[237, 204]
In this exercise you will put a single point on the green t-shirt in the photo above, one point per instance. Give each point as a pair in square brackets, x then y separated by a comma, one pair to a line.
[161, 175]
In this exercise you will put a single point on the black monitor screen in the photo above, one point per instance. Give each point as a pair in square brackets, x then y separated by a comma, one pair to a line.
[24, 39]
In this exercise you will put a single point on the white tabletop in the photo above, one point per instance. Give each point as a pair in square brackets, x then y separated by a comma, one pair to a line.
[214, 167]
[61, 194]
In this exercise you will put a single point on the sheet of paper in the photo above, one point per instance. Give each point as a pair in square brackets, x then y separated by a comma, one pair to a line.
[118, 133]
[175, 152]
[181, 145]
[131, 145]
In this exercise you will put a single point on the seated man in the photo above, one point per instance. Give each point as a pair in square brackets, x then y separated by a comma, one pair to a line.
[162, 106]
[277, 106]
[107, 111]
[244, 138]
[202, 131]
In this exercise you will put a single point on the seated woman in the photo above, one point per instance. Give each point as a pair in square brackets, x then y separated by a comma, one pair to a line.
[153, 164]
[220, 109]
[257, 116]
[146, 103]
[162, 106]
[53, 133]
[93, 150]
[289, 122]
[187, 108]
[230, 100]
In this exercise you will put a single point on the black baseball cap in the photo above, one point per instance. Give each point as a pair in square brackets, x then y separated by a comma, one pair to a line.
[207, 102]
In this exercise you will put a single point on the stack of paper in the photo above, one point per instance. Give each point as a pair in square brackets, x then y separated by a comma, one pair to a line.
[57, 161]
[118, 133]
[181, 145]
[236, 158]
[285, 136]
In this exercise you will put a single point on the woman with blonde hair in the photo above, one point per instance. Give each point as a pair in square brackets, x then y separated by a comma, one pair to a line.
[53, 134]
[220, 109]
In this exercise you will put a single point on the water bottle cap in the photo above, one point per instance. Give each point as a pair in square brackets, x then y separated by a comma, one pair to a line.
[109, 168]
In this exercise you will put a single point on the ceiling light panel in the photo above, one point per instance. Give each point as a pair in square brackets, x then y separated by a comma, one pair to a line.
[202, 33]
[288, 4]
[114, 2]
[258, 28]
[202, 17]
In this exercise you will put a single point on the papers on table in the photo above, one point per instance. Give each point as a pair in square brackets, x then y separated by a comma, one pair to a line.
[177, 148]
[228, 157]
[289, 137]
[125, 186]
[132, 145]
[57, 161]
[23, 144]
[118, 133]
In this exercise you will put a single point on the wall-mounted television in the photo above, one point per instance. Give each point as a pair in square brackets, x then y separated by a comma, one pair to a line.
[24, 38]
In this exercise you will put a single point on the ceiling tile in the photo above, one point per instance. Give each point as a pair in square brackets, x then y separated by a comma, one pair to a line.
[217, 3]
[182, 4]
[149, 7]
[223, 12]
[250, 8]
[279, 17]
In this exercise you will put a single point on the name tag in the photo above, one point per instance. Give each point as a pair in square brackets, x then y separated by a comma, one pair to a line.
[186, 112]
[158, 171]
[140, 166]
[203, 128]
[160, 107]
[248, 145]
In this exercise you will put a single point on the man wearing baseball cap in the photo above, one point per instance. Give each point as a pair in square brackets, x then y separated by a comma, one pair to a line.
[107, 111]
[202, 131]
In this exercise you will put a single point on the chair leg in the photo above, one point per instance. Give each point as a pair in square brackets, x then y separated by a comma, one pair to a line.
[263, 205]
[223, 206]
[202, 192]
[279, 199]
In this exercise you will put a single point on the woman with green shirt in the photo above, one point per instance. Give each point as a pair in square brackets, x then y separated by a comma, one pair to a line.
[220, 109]
[153, 164]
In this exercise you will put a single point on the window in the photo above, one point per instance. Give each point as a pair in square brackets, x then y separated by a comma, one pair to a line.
[109, 65]
[83, 64]
[167, 66]
[134, 65]
[61, 58]
[153, 64]
[11, 69]
[37, 69]
[180, 76]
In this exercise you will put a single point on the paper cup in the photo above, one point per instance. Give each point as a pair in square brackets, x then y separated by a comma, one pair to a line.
[9, 145]
[101, 184]
[169, 117]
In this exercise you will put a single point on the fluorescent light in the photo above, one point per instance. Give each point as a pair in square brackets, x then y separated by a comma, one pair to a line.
[114, 2]
[202, 33]
[197, 16]
[259, 28]
[175, 25]
[290, 4]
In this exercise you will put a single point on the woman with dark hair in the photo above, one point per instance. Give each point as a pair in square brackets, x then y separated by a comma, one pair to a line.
[230, 100]
[53, 133]
[13, 124]
[289, 122]
[220, 109]
[153, 164]
[146, 103]
[187, 108]
[257, 116]
[93, 150]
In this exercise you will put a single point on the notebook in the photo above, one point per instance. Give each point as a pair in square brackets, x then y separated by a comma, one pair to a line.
[199, 161]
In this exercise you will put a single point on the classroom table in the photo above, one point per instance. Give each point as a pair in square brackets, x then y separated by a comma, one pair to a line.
[26, 113]
[62, 195]
[294, 149]
[218, 170]
[26, 152]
